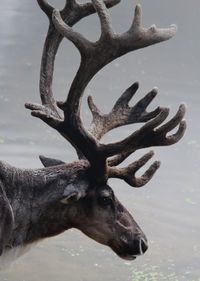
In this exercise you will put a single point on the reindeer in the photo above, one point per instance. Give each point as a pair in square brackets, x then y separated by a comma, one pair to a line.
[40, 203]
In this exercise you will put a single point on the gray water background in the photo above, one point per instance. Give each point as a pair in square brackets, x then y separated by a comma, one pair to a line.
[168, 208]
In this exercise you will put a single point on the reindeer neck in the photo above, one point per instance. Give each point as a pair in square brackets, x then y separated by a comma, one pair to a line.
[35, 199]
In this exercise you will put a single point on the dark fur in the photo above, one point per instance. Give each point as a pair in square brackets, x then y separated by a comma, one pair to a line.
[35, 199]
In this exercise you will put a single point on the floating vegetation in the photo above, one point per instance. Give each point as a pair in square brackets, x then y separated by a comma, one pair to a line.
[154, 273]
[2, 140]
[190, 201]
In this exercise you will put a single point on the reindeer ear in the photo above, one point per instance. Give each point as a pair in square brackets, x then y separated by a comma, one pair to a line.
[49, 162]
[6, 221]
[71, 198]
[74, 192]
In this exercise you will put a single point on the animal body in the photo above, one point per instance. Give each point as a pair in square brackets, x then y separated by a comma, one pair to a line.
[40, 203]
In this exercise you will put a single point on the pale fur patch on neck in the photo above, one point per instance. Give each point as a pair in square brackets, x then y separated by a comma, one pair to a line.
[10, 255]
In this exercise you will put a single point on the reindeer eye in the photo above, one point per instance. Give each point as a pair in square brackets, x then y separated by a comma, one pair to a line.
[105, 201]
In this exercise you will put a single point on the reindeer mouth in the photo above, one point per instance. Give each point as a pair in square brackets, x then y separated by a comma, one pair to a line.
[132, 250]
[123, 255]
[128, 257]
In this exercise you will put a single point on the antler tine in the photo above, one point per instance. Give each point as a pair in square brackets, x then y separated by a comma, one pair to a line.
[75, 37]
[119, 158]
[137, 19]
[104, 16]
[46, 7]
[148, 36]
[125, 98]
[144, 103]
[128, 173]
[172, 124]
[174, 121]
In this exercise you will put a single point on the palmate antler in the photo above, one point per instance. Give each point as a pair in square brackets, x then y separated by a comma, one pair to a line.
[104, 158]
[122, 114]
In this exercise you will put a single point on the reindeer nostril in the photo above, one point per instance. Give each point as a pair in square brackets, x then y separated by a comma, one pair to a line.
[133, 247]
[143, 246]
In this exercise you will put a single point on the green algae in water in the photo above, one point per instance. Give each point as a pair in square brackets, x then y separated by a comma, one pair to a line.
[2, 141]
[153, 274]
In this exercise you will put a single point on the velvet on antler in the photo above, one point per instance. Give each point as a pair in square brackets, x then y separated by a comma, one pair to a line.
[104, 158]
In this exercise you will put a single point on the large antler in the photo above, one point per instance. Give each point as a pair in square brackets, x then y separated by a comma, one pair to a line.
[94, 56]
[71, 14]
[122, 114]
